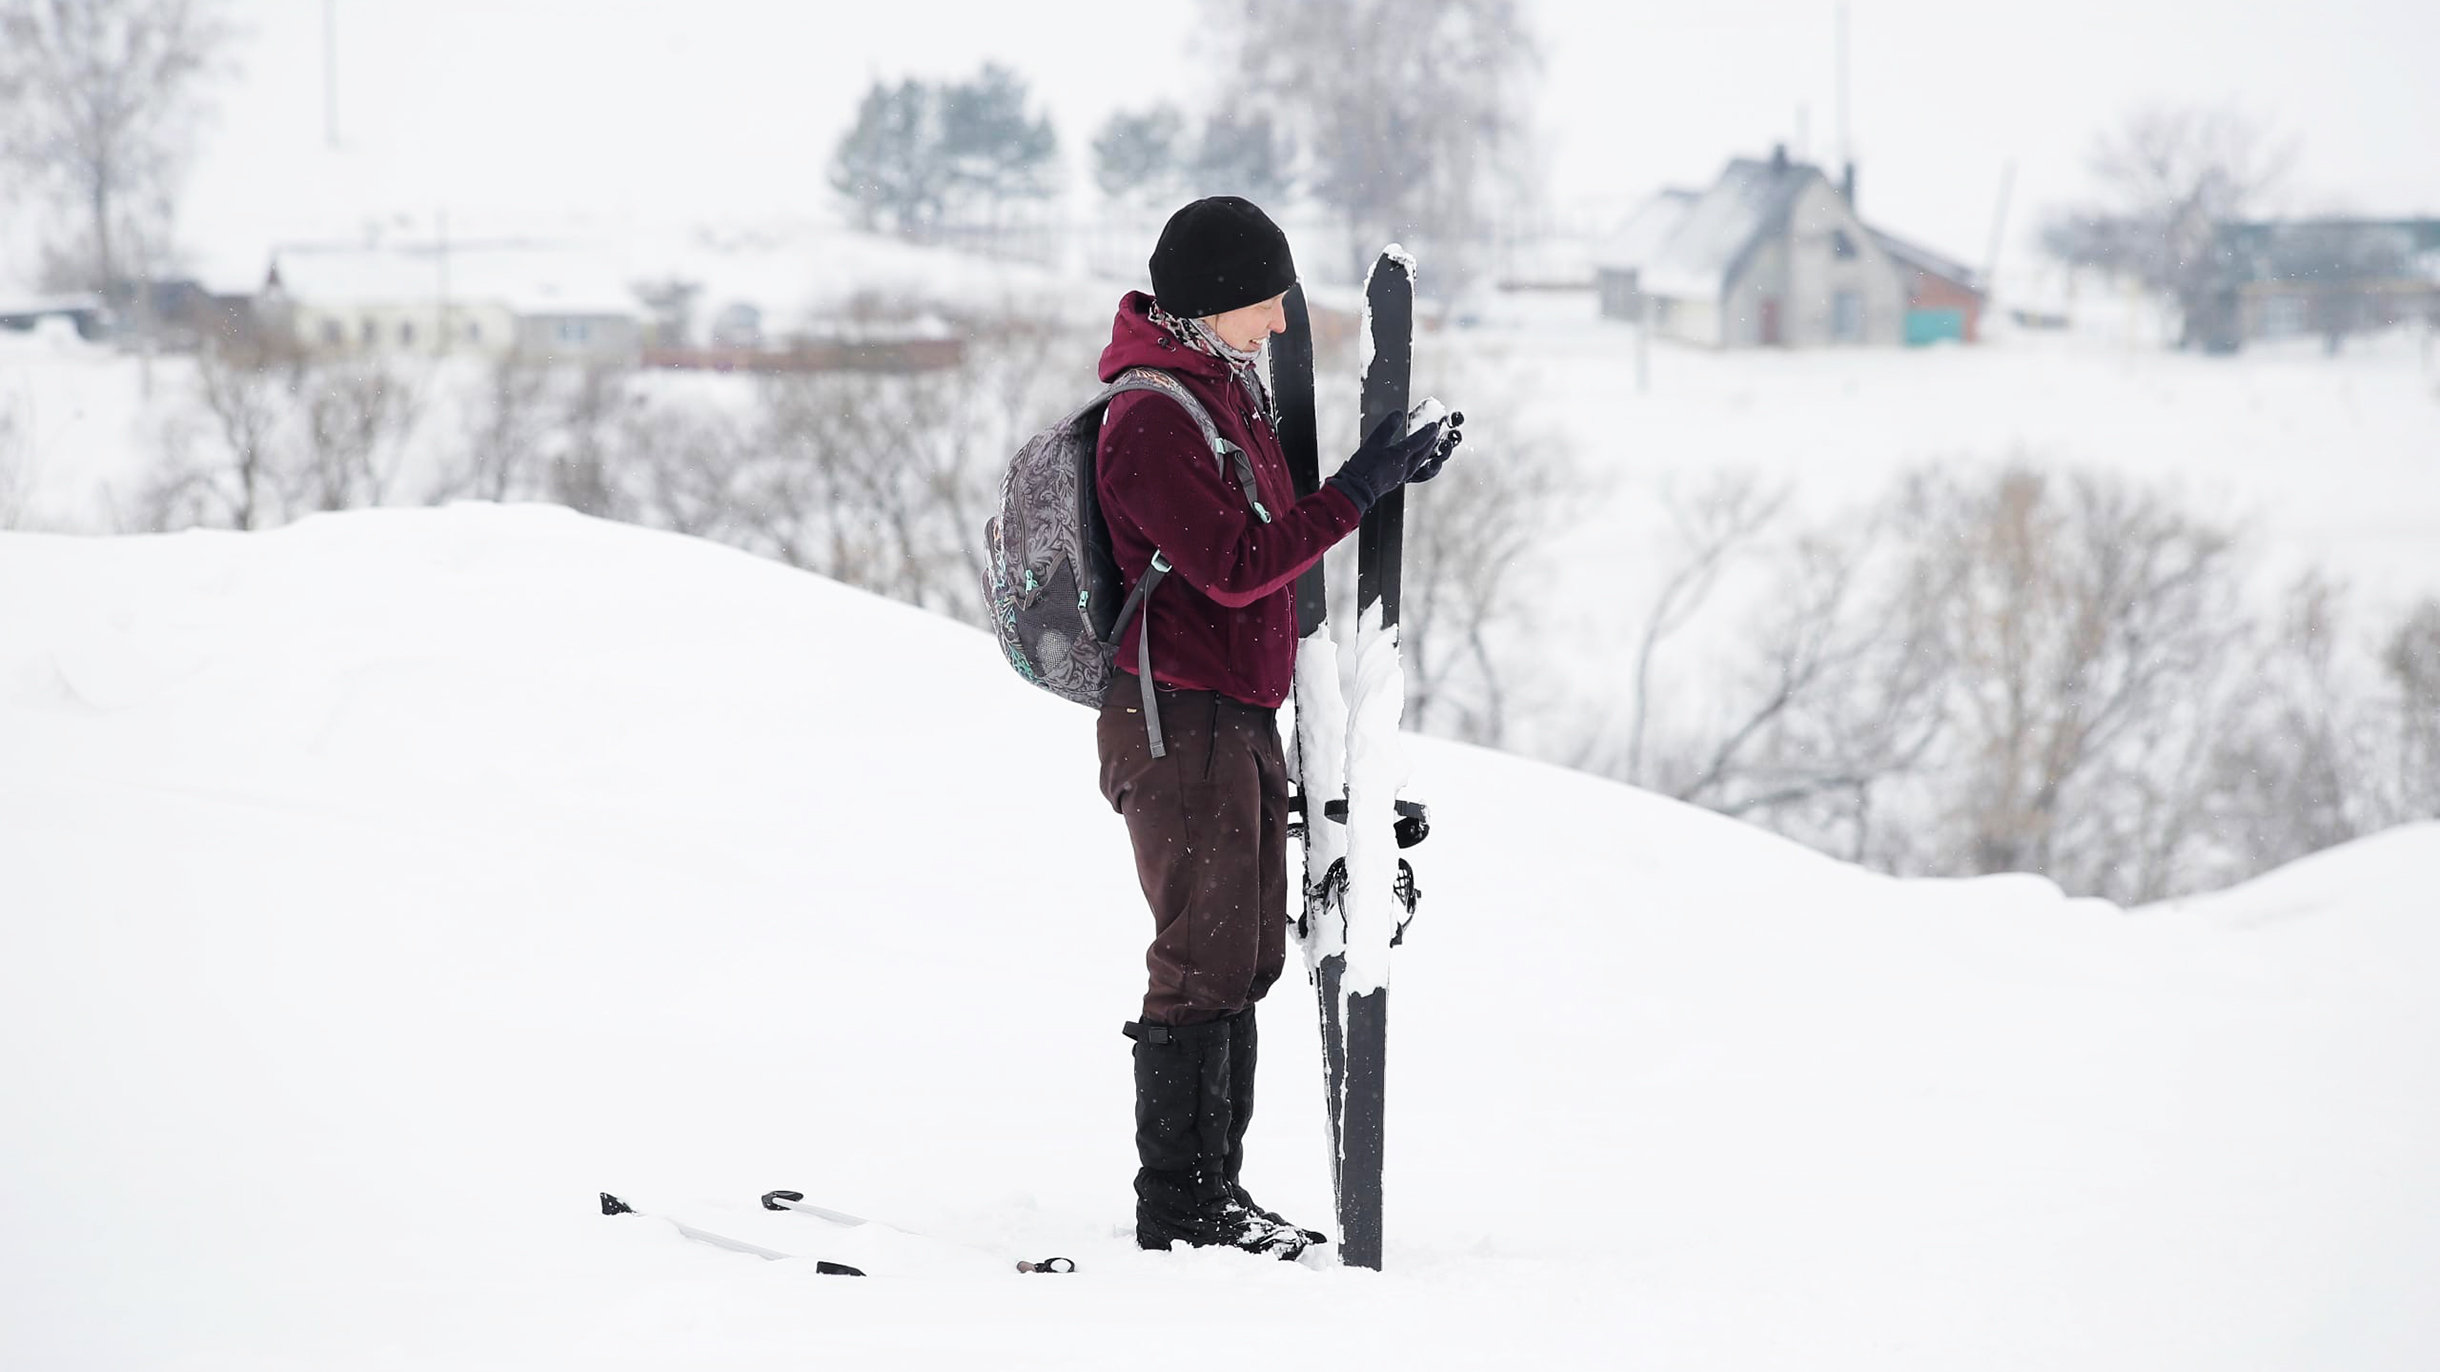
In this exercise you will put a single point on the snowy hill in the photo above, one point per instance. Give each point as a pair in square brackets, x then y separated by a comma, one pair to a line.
[379, 889]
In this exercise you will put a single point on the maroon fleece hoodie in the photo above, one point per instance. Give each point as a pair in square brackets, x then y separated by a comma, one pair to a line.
[1225, 619]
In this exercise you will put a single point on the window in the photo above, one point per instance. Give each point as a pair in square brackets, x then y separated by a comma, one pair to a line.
[575, 331]
[2283, 316]
[474, 332]
[332, 334]
[406, 333]
[1847, 317]
[1841, 246]
[370, 334]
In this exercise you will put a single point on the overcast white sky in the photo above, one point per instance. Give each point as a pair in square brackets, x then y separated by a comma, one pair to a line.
[676, 111]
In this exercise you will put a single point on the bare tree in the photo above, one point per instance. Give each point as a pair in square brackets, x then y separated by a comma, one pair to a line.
[2170, 177]
[1404, 105]
[97, 98]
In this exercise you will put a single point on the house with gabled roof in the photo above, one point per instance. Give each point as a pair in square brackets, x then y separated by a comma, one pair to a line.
[1773, 254]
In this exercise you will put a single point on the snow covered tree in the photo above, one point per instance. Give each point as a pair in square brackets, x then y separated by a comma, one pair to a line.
[1150, 155]
[1137, 152]
[921, 154]
[997, 150]
[1245, 154]
[97, 101]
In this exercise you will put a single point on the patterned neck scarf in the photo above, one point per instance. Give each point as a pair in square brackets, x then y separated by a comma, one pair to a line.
[1243, 365]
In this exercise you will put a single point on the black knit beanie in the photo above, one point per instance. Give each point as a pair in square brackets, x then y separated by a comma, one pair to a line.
[1219, 254]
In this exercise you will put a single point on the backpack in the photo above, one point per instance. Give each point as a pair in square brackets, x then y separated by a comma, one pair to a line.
[1050, 581]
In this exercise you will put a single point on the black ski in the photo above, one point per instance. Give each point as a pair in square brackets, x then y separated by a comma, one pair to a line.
[1377, 879]
[1319, 757]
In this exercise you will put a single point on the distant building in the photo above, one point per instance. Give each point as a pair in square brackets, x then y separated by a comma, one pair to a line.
[490, 301]
[168, 314]
[1774, 255]
[85, 313]
[2319, 278]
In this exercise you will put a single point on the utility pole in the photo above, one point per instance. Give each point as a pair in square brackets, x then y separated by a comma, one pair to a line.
[1846, 142]
[330, 73]
[441, 328]
[1643, 336]
[1999, 228]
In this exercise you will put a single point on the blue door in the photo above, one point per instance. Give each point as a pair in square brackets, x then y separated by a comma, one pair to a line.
[1934, 326]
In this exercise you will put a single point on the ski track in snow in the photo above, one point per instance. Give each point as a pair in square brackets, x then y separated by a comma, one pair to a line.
[380, 889]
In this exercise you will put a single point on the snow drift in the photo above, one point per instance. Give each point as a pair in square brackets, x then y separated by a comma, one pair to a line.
[376, 891]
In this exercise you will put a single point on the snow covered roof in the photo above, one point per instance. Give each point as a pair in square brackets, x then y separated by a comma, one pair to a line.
[1924, 259]
[27, 306]
[1750, 198]
[1642, 236]
[525, 280]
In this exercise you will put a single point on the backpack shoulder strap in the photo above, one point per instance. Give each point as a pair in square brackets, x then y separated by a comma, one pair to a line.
[1227, 454]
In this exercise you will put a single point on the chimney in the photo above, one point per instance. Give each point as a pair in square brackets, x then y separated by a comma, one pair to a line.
[1779, 157]
[1846, 184]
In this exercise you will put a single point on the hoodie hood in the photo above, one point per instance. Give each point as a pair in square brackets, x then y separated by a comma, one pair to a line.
[1135, 341]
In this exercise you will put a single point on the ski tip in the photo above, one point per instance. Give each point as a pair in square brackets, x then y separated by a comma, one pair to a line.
[1051, 1265]
[771, 1199]
[612, 1205]
[836, 1269]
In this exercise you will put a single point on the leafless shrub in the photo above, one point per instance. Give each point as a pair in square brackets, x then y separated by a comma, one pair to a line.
[884, 480]
[230, 460]
[1471, 566]
[2091, 624]
[2410, 661]
[2009, 672]
[16, 463]
[358, 414]
[583, 469]
[1838, 705]
[1715, 525]
[506, 429]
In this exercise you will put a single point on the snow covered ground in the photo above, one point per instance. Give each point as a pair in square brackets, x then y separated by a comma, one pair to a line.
[375, 891]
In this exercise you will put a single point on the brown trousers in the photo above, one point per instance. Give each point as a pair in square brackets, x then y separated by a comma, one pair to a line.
[1210, 827]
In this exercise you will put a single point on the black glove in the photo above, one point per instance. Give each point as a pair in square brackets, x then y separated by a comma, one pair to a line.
[1385, 462]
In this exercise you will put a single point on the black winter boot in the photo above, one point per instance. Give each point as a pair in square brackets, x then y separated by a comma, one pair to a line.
[1242, 1054]
[1183, 1110]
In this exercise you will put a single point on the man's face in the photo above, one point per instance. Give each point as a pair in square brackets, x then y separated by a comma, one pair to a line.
[1244, 329]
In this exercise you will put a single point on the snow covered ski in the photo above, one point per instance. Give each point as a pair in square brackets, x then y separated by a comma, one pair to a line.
[1357, 891]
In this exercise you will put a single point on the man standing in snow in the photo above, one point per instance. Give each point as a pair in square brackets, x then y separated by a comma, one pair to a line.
[1208, 818]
